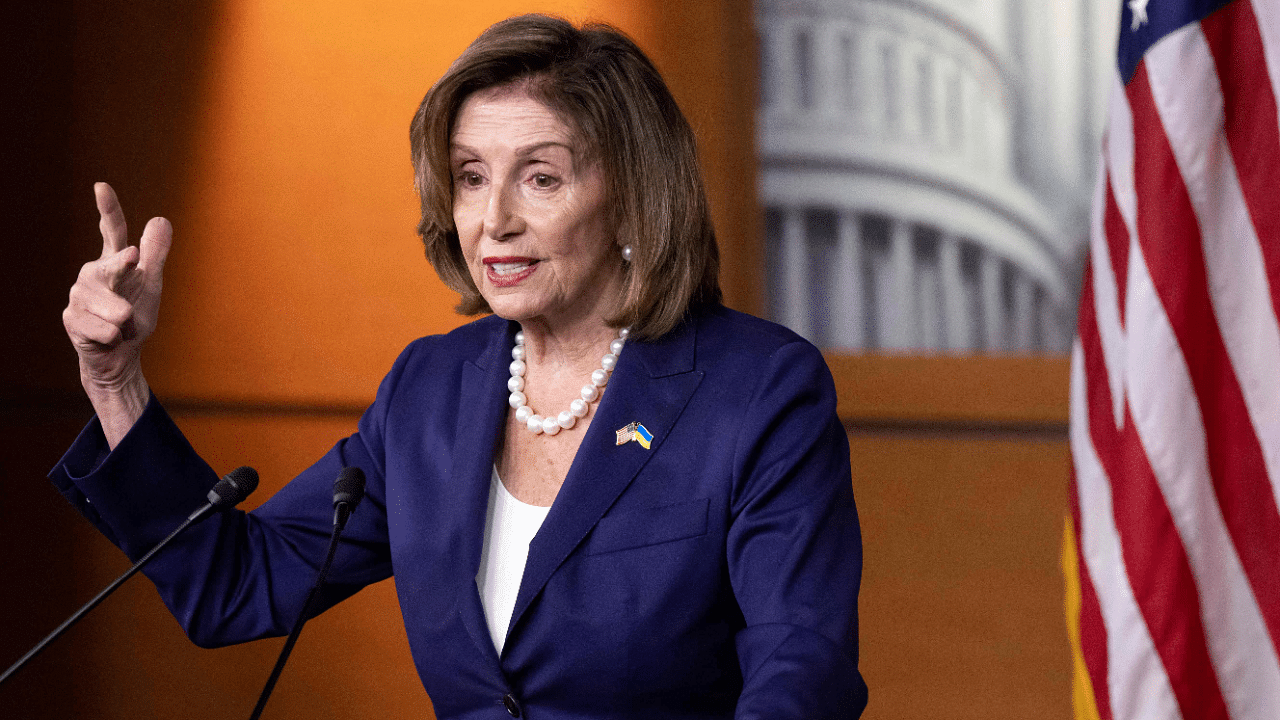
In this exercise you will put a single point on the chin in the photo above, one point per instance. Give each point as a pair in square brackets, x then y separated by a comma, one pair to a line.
[509, 308]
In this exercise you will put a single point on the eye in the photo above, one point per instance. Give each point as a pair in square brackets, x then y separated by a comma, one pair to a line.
[544, 181]
[469, 179]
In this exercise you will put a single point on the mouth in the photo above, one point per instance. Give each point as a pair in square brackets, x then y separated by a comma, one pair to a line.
[508, 271]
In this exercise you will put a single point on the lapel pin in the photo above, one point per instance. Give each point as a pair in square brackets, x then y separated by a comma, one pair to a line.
[643, 436]
[626, 433]
[634, 431]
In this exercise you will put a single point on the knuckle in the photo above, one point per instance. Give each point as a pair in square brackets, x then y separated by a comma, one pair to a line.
[107, 275]
[76, 296]
[119, 314]
[104, 334]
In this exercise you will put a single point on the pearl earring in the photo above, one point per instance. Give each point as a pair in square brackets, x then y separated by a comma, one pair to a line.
[626, 253]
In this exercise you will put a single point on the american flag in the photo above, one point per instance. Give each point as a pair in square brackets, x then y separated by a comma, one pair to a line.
[1173, 547]
[626, 433]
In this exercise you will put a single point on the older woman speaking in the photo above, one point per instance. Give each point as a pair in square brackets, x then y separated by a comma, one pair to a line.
[610, 498]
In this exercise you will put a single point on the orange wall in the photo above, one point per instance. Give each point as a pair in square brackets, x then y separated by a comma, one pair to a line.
[960, 472]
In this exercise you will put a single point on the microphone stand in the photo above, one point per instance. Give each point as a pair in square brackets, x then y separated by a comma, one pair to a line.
[228, 492]
[297, 627]
[348, 490]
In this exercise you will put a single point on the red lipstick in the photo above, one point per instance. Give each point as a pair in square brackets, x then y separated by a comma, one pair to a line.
[510, 270]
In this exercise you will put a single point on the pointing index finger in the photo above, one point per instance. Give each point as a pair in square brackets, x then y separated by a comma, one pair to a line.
[115, 233]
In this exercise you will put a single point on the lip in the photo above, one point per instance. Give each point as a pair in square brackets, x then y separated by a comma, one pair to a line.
[509, 279]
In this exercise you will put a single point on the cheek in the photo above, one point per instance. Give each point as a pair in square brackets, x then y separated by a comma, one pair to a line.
[467, 225]
[594, 238]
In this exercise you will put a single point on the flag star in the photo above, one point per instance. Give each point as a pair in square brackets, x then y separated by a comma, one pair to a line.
[1139, 10]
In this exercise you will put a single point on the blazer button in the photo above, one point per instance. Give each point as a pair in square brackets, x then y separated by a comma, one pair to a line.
[513, 707]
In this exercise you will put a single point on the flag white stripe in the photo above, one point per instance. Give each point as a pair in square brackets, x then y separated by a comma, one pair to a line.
[1118, 157]
[1189, 99]
[1107, 301]
[1118, 149]
[1136, 680]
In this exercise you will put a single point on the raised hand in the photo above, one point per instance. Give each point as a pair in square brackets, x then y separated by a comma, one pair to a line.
[113, 309]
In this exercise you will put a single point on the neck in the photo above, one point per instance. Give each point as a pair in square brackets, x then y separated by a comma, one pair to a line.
[573, 347]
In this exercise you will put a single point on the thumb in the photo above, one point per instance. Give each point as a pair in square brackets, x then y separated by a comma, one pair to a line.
[153, 248]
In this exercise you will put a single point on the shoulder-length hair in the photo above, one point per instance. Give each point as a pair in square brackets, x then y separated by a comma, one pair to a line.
[600, 84]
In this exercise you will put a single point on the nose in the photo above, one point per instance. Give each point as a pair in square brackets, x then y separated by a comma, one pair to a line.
[502, 217]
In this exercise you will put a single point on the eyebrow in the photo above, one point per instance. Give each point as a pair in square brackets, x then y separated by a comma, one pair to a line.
[525, 151]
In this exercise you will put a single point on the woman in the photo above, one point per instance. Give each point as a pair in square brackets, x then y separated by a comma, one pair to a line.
[612, 497]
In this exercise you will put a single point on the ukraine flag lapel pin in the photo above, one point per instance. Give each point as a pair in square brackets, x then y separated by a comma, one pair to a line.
[643, 436]
[634, 431]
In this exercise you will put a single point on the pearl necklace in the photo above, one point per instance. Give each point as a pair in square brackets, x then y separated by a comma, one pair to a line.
[552, 424]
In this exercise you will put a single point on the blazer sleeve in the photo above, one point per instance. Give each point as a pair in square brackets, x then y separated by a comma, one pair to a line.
[794, 547]
[235, 576]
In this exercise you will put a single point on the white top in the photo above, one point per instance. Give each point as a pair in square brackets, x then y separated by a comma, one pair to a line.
[509, 526]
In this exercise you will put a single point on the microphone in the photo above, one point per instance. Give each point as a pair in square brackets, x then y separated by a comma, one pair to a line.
[348, 491]
[230, 490]
[234, 487]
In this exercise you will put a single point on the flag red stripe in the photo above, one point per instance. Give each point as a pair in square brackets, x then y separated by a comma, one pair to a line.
[1154, 558]
[1117, 245]
[1169, 236]
[1093, 633]
[1251, 126]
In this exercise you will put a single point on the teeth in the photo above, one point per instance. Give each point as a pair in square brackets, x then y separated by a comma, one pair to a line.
[508, 268]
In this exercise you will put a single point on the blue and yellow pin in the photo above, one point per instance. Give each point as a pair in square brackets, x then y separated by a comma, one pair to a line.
[635, 431]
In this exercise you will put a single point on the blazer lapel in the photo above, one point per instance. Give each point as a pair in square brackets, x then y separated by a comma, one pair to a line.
[481, 415]
[651, 385]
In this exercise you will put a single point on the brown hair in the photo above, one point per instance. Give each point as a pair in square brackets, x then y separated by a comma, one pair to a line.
[600, 83]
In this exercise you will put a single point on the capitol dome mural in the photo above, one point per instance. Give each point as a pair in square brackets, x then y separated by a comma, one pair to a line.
[926, 168]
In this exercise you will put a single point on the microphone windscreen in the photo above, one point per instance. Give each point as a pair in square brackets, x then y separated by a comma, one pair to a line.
[349, 487]
[234, 487]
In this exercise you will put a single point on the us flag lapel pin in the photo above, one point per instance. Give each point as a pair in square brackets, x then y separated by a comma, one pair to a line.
[635, 431]
[626, 433]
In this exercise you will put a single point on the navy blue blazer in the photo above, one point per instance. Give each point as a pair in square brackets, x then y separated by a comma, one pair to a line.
[713, 575]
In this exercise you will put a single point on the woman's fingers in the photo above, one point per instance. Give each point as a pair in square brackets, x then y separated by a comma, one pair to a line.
[114, 303]
[85, 326]
[157, 237]
[115, 232]
[100, 308]
[96, 315]
[116, 263]
[111, 271]
[101, 303]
